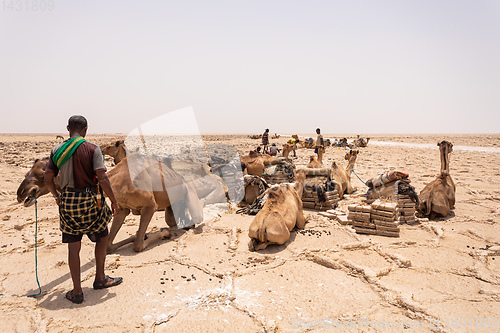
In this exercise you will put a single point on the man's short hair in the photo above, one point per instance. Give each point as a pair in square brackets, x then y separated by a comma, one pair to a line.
[77, 122]
[317, 129]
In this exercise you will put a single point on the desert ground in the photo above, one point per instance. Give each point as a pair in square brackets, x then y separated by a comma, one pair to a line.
[439, 276]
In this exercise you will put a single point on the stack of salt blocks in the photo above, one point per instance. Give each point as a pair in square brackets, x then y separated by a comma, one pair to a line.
[310, 200]
[382, 217]
[406, 209]
[360, 215]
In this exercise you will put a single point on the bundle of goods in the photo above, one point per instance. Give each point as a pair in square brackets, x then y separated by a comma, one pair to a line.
[385, 178]
[360, 217]
[384, 215]
[380, 218]
[320, 196]
[406, 209]
[283, 172]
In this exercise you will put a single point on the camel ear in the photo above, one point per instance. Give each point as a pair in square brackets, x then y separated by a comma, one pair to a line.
[439, 144]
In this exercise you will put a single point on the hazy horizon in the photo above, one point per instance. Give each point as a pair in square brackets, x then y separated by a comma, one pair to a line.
[291, 66]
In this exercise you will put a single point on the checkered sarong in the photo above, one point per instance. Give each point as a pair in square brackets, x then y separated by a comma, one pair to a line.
[79, 213]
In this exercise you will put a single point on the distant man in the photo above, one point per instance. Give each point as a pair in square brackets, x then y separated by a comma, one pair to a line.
[319, 140]
[82, 207]
[265, 139]
[273, 150]
[293, 141]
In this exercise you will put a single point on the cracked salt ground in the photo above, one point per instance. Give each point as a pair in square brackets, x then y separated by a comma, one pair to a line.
[441, 269]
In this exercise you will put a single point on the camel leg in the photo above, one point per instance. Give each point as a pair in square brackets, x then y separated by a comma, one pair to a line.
[277, 233]
[146, 216]
[301, 219]
[115, 227]
[170, 217]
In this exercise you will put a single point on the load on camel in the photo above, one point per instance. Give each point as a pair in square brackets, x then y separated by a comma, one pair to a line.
[254, 163]
[209, 187]
[281, 212]
[438, 197]
[390, 185]
[157, 176]
[316, 163]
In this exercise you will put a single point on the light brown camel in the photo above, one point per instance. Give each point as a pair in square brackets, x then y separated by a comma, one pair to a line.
[342, 176]
[155, 187]
[317, 163]
[287, 148]
[130, 198]
[60, 137]
[210, 188]
[254, 162]
[280, 214]
[438, 197]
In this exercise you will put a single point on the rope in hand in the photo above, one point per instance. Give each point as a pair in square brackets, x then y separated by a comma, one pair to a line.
[36, 252]
[359, 178]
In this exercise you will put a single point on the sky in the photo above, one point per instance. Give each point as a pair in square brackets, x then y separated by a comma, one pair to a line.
[361, 67]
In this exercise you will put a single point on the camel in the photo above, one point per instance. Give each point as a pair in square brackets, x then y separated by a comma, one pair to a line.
[317, 163]
[342, 176]
[438, 197]
[255, 136]
[275, 136]
[360, 142]
[130, 198]
[209, 187]
[155, 187]
[287, 148]
[60, 137]
[279, 215]
[255, 162]
[313, 163]
[33, 185]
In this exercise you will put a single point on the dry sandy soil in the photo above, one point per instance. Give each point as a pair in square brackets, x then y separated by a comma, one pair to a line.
[438, 276]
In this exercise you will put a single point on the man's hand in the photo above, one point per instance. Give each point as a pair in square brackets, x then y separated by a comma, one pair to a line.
[58, 198]
[115, 209]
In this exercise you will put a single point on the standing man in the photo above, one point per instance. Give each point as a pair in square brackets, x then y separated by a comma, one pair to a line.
[319, 140]
[82, 207]
[265, 140]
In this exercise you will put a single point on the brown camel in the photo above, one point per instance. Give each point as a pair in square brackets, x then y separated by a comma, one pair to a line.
[317, 163]
[438, 197]
[254, 186]
[360, 142]
[280, 214]
[255, 162]
[210, 188]
[287, 148]
[33, 185]
[342, 176]
[154, 187]
[131, 198]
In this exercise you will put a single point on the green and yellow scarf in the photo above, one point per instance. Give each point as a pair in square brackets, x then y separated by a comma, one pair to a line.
[63, 154]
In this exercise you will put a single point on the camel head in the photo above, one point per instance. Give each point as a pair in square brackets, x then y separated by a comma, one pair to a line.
[352, 154]
[115, 149]
[33, 186]
[445, 149]
[300, 180]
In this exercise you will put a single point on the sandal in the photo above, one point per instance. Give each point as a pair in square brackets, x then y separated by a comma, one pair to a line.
[108, 282]
[77, 299]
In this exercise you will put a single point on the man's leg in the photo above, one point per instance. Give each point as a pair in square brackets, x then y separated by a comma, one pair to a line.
[100, 257]
[74, 266]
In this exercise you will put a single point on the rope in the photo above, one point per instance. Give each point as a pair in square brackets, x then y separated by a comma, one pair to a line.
[36, 251]
[359, 178]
